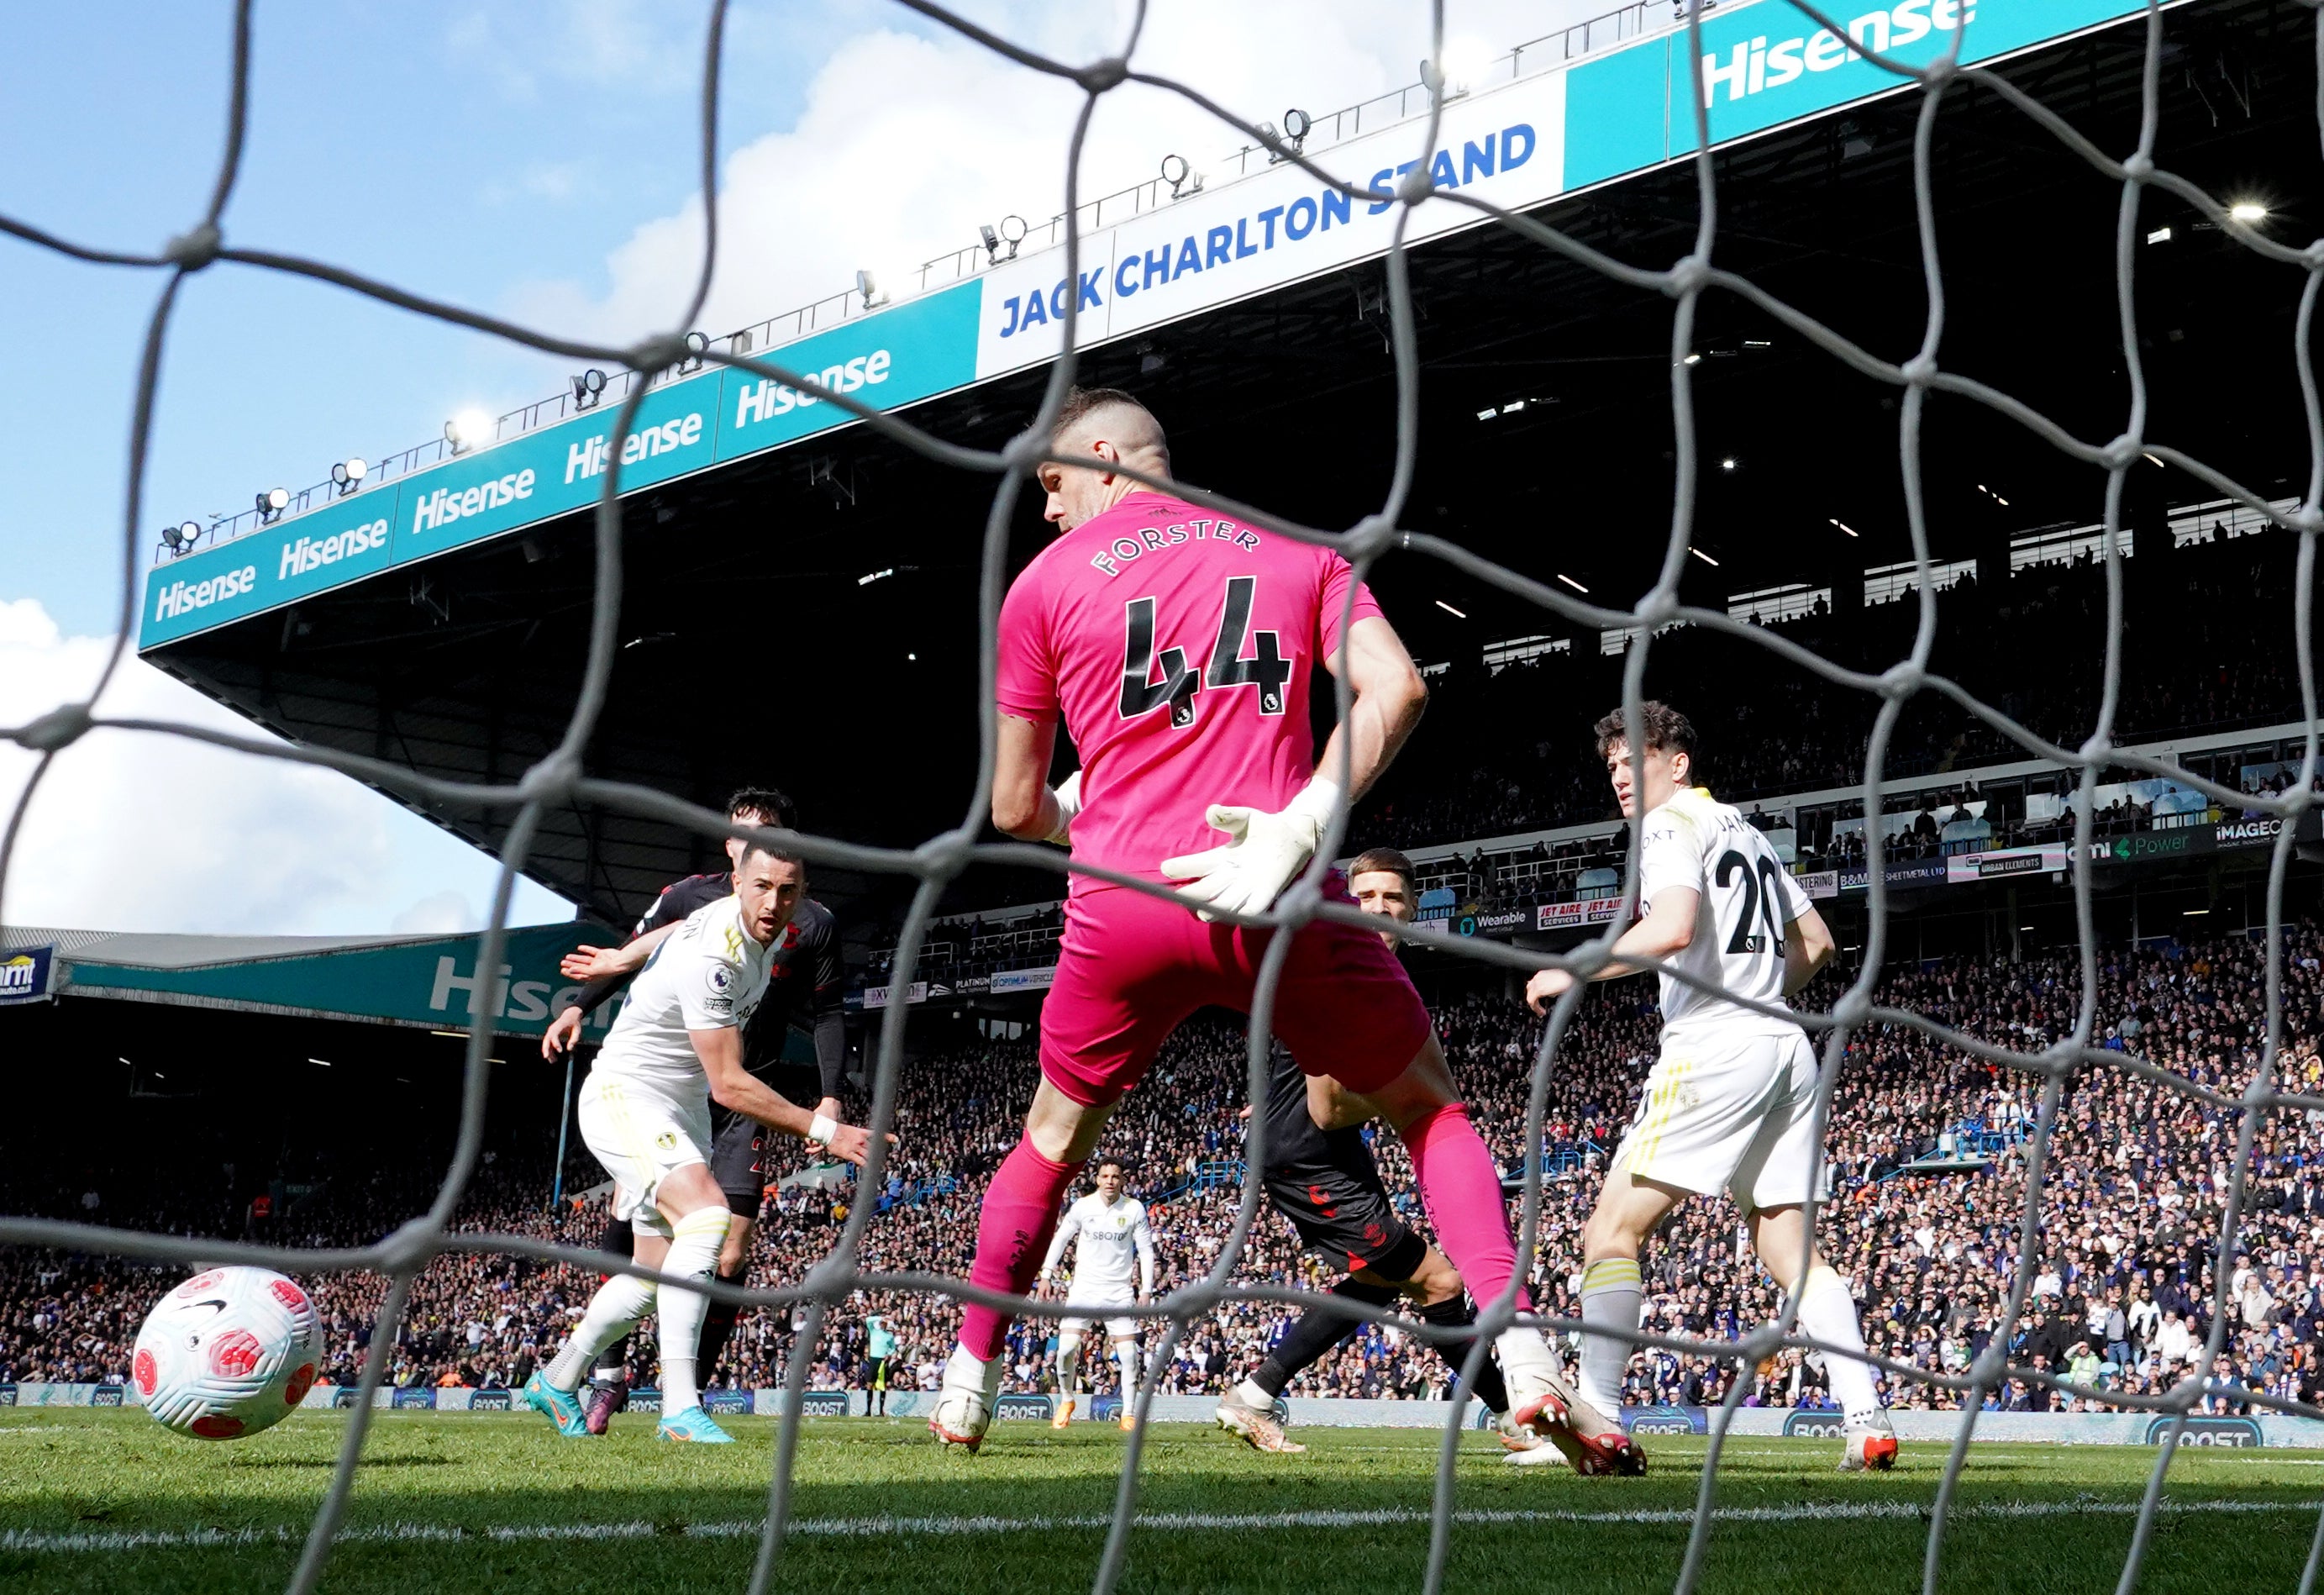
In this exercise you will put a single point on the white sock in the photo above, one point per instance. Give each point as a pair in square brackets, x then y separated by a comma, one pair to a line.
[1069, 1364]
[965, 1370]
[1125, 1353]
[1828, 1314]
[693, 1253]
[611, 1313]
[1252, 1395]
[1523, 1350]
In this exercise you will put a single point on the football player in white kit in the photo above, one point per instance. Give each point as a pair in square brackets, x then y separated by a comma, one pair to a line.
[644, 1113]
[1112, 1229]
[1730, 1100]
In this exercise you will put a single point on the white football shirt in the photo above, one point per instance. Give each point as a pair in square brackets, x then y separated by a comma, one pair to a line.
[1112, 1237]
[708, 974]
[1747, 898]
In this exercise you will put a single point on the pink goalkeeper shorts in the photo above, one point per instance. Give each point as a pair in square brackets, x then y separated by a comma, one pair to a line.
[1131, 968]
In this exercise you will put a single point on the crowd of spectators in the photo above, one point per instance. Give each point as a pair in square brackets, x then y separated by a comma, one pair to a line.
[1927, 1146]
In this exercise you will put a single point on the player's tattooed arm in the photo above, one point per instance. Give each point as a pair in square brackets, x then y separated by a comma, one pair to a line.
[1023, 807]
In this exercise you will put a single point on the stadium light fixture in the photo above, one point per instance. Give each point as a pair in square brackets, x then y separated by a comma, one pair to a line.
[2247, 211]
[272, 502]
[323, 1063]
[2159, 235]
[180, 537]
[1487, 413]
[1995, 497]
[1182, 177]
[1457, 614]
[588, 389]
[2191, 913]
[868, 286]
[472, 429]
[865, 581]
[1013, 229]
[1297, 123]
[1698, 554]
[1693, 359]
[1512, 406]
[1569, 582]
[1844, 525]
[347, 474]
[698, 344]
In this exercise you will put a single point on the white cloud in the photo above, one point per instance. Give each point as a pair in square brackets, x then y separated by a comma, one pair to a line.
[906, 143]
[439, 913]
[136, 832]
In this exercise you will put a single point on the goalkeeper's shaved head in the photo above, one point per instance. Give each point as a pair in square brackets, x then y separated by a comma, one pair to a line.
[1099, 429]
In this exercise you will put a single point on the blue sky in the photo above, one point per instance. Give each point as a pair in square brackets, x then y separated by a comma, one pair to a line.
[535, 159]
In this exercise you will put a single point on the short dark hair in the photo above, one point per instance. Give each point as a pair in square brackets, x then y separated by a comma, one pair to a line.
[765, 800]
[1081, 401]
[1666, 730]
[1374, 861]
[1102, 1164]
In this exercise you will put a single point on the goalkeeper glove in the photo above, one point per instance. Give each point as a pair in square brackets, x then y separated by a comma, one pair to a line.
[1069, 804]
[1251, 871]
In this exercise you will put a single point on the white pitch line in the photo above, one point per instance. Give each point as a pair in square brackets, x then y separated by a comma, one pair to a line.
[882, 1528]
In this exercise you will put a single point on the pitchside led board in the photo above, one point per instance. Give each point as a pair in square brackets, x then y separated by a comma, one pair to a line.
[1765, 63]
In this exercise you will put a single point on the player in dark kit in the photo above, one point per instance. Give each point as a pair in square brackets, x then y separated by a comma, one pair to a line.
[804, 991]
[1326, 1182]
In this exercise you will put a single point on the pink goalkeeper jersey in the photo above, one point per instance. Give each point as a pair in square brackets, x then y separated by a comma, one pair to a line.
[1179, 646]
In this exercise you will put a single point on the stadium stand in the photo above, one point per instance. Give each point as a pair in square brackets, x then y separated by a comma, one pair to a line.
[1927, 1150]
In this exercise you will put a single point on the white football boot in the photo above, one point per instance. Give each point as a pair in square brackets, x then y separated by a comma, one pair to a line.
[1871, 1445]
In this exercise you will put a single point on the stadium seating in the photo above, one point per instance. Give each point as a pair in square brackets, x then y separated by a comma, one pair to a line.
[1926, 1152]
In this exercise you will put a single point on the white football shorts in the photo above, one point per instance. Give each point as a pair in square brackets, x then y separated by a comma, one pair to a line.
[1732, 1112]
[1101, 1293]
[642, 1134]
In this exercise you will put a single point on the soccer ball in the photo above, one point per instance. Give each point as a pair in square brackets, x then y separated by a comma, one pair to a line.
[227, 1353]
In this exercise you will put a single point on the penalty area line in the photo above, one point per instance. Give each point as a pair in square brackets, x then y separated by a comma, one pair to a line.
[27, 1540]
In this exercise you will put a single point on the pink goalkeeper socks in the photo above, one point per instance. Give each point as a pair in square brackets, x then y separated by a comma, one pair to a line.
[1021, 1214]
[1462, 1190]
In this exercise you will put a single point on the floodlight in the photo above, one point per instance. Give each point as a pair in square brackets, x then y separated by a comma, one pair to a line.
[1693, 360]
[698, 344]
[2247, 211]
[1728, 464]
[347, 474]
[1013, 234]
[473, 428]
[1182, 177]
[2159, 235]
[868, 286]
[1698, 554]
[1296, 125]
[1569, 582]
[1488, 414]
[991, 240]
[1461, 614]
[272, 502]
[179, 537]
[588, 389]
[1844, 525]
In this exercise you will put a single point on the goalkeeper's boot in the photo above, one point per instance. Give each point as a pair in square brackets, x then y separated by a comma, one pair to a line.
[1065, 1413]
[1128, 1414]
[1871, 1445]
[964, 1403]
[603, 1399]
[563, 1407]
[1541, 1400]
[1256, 1425]
[693, 1424]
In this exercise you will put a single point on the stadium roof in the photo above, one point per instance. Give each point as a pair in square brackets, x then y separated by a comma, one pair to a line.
[828, 575]
[425, 981]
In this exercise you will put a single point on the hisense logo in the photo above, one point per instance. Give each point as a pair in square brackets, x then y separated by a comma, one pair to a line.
[1756, 65]
[447, 505]
[182, 597]
[313, 553]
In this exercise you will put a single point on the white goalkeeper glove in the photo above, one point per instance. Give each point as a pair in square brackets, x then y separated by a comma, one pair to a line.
[1069, 804]
[1249, 873]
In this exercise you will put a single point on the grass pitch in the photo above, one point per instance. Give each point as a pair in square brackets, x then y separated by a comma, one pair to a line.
[105, 1500]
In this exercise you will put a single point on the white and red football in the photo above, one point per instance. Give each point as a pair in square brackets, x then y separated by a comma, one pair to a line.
[227, 1353]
